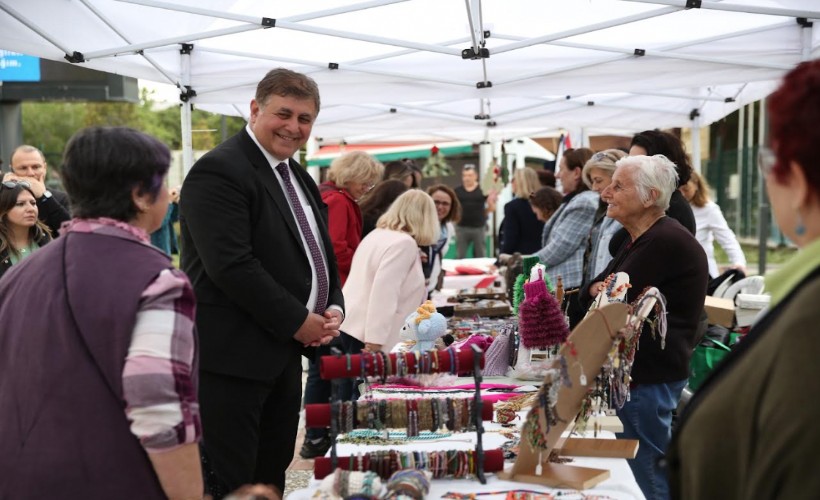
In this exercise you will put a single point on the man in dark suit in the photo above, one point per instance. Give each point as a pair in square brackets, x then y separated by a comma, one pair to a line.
[28, 164]
[256, 247]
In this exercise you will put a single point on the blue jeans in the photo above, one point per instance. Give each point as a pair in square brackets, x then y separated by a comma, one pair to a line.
[647, 417]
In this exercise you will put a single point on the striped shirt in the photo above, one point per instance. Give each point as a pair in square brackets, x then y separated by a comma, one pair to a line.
[158, 385]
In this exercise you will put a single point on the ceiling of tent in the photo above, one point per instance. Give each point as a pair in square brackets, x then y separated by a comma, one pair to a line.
[394, 70]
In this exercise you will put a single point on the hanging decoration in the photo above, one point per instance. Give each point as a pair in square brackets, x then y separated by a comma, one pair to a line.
[503, 170]
[436, 165]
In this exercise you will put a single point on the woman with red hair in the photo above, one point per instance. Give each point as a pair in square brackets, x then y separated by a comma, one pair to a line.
[750, 430]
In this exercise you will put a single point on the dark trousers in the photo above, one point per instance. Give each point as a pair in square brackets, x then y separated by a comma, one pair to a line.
[573, 308]
[318, 390]
[249, 428]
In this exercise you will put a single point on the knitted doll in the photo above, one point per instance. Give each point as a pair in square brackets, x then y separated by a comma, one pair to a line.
[540, 321]
[425, 325]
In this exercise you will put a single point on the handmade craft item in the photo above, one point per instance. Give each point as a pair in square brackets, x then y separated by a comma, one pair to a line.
[540, 321]
[497, 356]
[344, 484]
[408, 483]
[424, 326]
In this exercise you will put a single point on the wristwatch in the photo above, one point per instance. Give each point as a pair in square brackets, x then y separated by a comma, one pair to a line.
[46, 195]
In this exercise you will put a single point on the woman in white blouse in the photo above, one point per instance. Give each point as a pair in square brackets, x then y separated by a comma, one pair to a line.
[711, 225]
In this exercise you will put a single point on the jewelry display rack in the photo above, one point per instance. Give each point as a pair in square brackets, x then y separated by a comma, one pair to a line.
[591, 342]
[335, 367]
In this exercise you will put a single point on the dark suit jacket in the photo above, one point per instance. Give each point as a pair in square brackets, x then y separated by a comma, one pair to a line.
[522, 229]
[54, 211]
[242, 250]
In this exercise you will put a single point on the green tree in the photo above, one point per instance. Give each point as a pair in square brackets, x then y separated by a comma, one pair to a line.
[49, 125]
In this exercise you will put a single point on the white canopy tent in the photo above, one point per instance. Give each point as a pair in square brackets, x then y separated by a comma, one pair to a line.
[440, 69]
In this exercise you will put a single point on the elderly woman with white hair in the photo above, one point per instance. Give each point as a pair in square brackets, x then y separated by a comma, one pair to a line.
[661, 253]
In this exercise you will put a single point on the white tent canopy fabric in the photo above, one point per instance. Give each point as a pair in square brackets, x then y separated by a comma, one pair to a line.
[397, 69]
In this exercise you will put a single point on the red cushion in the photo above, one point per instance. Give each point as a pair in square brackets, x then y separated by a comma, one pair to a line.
[469, 270]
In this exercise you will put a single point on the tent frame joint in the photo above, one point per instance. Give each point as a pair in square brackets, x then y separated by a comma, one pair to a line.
[492, 123]
[186, 48]
[484, 85]
[693, 4]
[482, 117]
[804, 23]
[75, 57]
[333, 65]
[640, 52]
[694, 114]
[268, 22]
[187, 94]
[470, 53]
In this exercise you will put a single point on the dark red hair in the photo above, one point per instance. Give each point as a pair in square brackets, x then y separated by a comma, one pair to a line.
[794, 114]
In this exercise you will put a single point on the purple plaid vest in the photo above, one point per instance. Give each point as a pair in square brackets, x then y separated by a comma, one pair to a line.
[63, 430]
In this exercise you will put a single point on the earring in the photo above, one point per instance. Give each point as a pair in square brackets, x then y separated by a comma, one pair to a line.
[800, 228]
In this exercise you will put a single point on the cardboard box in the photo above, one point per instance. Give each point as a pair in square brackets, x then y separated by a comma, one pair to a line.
[720, 311]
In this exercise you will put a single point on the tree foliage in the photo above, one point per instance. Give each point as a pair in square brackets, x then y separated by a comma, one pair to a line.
[49, 125]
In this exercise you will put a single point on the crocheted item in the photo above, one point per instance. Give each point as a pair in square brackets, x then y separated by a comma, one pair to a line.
[479, 339]
[518, 292]
[408, 483]
[540, 321]
[497, 357]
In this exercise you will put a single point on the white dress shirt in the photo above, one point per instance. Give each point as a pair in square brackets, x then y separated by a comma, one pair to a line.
[311, 218]
[711, 226]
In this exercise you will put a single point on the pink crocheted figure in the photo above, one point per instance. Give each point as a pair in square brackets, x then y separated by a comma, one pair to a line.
[540, 320]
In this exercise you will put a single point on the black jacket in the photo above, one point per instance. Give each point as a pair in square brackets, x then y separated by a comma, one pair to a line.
[243, 252]
[54, 211]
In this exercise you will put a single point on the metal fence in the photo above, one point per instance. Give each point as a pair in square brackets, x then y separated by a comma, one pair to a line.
[735, 182]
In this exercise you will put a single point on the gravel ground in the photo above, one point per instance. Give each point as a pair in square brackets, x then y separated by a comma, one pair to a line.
[296, 480]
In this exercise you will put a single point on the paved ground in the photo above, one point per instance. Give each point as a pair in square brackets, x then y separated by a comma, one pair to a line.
[300, 470]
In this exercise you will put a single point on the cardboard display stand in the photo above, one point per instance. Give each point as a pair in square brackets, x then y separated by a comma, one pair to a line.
[593, 339]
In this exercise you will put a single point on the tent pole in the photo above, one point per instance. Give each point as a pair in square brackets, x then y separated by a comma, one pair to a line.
[763, 197]
[584, 29]
[138, 47]
[185, 115]
[619, 57]
[696, 153]
[806, 39]
[750, 9]
[311, 148]
[741, 126]
[750, 165]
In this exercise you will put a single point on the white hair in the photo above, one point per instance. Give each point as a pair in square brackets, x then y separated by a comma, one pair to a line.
[656, 173]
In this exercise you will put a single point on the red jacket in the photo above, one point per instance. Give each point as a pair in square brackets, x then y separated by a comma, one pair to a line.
[344, 225]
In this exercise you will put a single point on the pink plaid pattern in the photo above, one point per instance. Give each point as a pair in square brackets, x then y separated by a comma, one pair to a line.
[315, 253]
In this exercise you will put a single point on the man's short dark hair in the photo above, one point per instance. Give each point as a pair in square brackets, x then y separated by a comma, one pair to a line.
[284, 82]
[102, 165]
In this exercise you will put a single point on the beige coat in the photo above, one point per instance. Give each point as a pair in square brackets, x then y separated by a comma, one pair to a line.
[752, 430]
[385, 284]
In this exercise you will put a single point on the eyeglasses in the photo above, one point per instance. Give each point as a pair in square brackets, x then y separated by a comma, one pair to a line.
[766, 161]
[14, 184]
[442, 203]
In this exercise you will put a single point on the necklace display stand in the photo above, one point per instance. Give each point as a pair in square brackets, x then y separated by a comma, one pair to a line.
[336, 367]
[592, 340]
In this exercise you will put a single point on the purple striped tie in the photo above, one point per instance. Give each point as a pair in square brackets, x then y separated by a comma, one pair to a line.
[315, 253]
